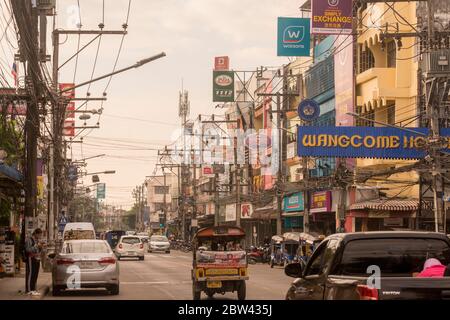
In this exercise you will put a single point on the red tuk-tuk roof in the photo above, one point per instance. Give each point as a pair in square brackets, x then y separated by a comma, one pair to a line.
[220, 231]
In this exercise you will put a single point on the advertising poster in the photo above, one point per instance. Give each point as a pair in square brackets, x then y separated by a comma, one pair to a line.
[223, 86]
[222, 63]
[294, 38]
[321, 201]
[246, 210]
[331, 17]
[230, 212]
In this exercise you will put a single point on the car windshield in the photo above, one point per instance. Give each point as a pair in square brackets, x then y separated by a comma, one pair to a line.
[394, 257]
[159, 239]
[131, 240]
[85, 247]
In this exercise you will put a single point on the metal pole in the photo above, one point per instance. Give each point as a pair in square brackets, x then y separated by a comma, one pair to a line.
[280, 165]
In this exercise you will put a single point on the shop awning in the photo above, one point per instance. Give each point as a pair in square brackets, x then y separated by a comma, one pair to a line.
[387, 205]
[292, 214]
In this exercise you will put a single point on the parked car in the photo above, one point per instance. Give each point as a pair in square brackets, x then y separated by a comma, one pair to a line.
[130, 247]
[343, 266]
[95, 262]
[159, 243]
[143, 236]
[79, 231]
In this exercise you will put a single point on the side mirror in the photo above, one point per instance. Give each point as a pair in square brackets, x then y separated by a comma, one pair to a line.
[293, 270]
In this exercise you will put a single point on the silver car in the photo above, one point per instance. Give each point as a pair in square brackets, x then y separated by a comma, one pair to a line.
[159, 243]
[85, 264]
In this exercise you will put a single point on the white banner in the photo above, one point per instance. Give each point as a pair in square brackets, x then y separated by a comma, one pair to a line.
[230, 212]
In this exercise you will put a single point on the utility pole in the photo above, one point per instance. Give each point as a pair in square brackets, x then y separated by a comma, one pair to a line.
[238, 183]
[165, 204]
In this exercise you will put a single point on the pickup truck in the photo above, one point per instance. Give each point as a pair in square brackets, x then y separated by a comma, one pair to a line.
[372, 266]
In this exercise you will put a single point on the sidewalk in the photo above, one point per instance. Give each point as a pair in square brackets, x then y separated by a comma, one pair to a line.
[13, 288]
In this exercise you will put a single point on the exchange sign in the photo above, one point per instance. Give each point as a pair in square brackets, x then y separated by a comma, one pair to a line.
[364, 142]
[332, 17]
[223, 86]
[101, 191]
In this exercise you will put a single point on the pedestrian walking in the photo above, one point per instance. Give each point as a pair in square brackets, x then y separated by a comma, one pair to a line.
[33, 249]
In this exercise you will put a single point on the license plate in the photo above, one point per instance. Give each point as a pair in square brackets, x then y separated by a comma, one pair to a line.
[131, 253]
[216, 272]
[88, 265]
[214, 284]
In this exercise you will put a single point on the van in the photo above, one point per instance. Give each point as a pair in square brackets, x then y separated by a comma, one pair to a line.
[79, 231]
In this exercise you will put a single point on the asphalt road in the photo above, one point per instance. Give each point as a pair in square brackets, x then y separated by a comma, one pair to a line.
[167, 277]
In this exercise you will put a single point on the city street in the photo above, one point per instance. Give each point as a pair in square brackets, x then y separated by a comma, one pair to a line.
[167, 277]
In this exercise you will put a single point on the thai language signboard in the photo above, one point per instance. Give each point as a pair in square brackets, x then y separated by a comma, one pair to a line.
[364, 142]
[331, 17]
[223, 86]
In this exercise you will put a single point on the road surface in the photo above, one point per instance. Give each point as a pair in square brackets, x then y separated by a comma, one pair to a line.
[167, 277]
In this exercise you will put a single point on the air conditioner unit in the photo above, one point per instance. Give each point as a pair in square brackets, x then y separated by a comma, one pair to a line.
[46, 4]
[437, 62]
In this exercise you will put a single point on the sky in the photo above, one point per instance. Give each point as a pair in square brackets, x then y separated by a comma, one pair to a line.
[142, 107]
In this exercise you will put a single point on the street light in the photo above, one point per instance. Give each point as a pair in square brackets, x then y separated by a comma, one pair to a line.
[103, 172]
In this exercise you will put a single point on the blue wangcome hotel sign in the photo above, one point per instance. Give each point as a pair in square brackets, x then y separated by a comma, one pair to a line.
[364, 142]
[293, 37]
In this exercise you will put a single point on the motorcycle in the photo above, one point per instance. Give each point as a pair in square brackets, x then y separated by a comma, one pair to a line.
[258, 255]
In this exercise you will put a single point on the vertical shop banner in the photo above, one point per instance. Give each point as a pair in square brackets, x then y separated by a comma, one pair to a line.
[223, 86]
[101, 191]
[293, 37]
[344, 86]
[332, 17]
[69, 128]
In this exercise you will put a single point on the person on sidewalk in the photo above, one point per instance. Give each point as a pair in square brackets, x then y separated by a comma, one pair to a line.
[33, 249]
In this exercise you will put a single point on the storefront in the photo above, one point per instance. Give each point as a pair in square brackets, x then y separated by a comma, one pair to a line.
[293, 206]
[323, 217]
[382, 215]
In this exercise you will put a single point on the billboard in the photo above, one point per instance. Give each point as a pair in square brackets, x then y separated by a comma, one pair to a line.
[321, 202]
[223, 86]
[363, 142]
[331, 17]
[101, 191]
[294, 202]
[221, 63]
[293, 37]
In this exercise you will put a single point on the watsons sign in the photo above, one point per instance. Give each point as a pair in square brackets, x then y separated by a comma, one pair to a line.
[364, 142]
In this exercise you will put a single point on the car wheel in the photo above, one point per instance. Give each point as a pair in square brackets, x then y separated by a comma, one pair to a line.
[142, 258]
[168, 251]
[251, 260]
[210, 294]
[114, 290]
[149, 251]
[242, 291]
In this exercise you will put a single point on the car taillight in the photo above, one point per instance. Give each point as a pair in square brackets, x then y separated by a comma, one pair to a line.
[107, 260]
[141, 246]
[120, 246]
[63, 261]
[366, 293]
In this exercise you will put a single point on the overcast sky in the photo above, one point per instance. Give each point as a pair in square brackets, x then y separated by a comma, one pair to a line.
[142, 106]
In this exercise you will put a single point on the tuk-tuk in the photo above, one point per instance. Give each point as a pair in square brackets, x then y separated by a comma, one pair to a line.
[289, 246]
[276, 251]
[308, 243]
[219, 262]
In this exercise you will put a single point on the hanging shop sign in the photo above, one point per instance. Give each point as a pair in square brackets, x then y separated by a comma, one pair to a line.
[321, 202]
[308, 110]
[207, 171]
[70, 94]
[69, 128]
[331, 17]
[294, 202]
[363, 142]
[246, 210]
[222, 63]
[230, 212]
[293, 37]
[223, 86]
[101, 191]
